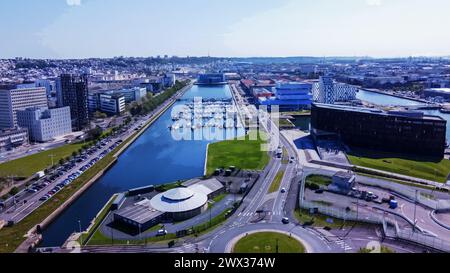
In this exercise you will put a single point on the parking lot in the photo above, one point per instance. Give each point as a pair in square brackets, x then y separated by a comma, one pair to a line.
[43, 190]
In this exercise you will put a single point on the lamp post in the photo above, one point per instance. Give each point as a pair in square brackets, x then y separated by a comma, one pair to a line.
[415, 211]
[81, 234]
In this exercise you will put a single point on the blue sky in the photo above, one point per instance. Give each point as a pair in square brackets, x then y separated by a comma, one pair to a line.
[106, 28]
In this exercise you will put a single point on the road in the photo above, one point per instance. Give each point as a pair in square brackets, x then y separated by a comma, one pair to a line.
[261, 210]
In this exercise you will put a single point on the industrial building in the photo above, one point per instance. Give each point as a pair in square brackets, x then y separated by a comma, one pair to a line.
[13, 100]
[394, 131]
[45, 124]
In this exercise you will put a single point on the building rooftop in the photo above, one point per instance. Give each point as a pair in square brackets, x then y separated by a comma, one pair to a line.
[179, 200]
[140, 212]
[344, 175]
[400, 113]
[442, 90]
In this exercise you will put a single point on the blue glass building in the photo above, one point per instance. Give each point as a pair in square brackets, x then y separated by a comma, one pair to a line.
[291, 96]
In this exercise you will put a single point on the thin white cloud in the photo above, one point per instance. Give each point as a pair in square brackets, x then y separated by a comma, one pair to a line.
[374, 3]
[73, 2]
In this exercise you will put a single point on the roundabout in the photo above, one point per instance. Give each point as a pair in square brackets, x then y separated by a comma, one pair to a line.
[266, 241]
[226, 240]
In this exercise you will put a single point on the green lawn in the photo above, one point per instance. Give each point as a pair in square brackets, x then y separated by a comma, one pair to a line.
[285, 123]
[98, 239]
[28, 166]
[266, 242]
[320, 180]
[319, 220]
[276, 182]
[425, 168]
[12, 237]
[242, 153]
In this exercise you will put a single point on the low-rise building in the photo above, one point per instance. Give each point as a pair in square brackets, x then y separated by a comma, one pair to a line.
[12, 138]
[112, 104]
[343, 182]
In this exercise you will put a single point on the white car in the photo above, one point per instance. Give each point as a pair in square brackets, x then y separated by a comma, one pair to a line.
[162, 232]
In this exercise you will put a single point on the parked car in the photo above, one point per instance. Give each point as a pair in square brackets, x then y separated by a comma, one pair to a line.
[43, 198]
[162, 232]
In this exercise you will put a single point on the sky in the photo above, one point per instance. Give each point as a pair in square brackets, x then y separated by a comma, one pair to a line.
[223, 28]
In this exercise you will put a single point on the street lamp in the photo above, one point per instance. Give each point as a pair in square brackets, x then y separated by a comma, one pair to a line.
[415, 211]
[81, 234]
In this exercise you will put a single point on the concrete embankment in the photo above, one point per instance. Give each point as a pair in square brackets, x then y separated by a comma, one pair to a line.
[33, 239]
[393, 95]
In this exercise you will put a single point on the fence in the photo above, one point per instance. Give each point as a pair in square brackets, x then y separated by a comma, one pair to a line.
[423, 239]
[410, 194]
[407, 235]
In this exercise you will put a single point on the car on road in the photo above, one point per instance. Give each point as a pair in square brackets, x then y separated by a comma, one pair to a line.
[43, 198]
[285, 220]
[33, 190]
[283, 190]
[161, 232]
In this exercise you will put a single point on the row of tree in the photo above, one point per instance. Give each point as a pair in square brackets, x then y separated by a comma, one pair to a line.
[150, 103]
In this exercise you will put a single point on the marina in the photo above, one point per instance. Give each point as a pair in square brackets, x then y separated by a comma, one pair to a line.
[200, 114]
[149, 160]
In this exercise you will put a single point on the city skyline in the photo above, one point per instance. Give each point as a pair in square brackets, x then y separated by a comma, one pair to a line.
[60, 29]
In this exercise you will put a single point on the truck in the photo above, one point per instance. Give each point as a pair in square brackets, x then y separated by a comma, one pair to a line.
[393, 204]
[40, 174]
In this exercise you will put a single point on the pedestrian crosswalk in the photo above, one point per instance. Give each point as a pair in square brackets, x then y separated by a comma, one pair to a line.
[249, 214]
[342, 244]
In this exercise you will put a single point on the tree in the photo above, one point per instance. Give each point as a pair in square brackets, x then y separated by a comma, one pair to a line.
[74, 154]
[14, 191]
[100, 115]
[95, 133]
[62, 161]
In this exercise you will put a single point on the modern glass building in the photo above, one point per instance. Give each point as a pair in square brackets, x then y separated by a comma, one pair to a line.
[74, 93]
[290, 96]
[211, 79]
[393, 131]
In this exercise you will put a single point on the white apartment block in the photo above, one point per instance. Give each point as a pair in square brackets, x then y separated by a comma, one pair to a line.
[45, 124]
[14, 100]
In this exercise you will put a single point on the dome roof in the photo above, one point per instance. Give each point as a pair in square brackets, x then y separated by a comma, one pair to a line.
[179, 200]
[178, 194]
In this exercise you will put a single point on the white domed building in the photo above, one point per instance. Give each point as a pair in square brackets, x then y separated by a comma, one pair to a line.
[181, 203]
[177, 204]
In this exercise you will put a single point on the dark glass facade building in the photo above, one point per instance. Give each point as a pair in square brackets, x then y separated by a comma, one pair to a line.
[74, 93]
[394, 131]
